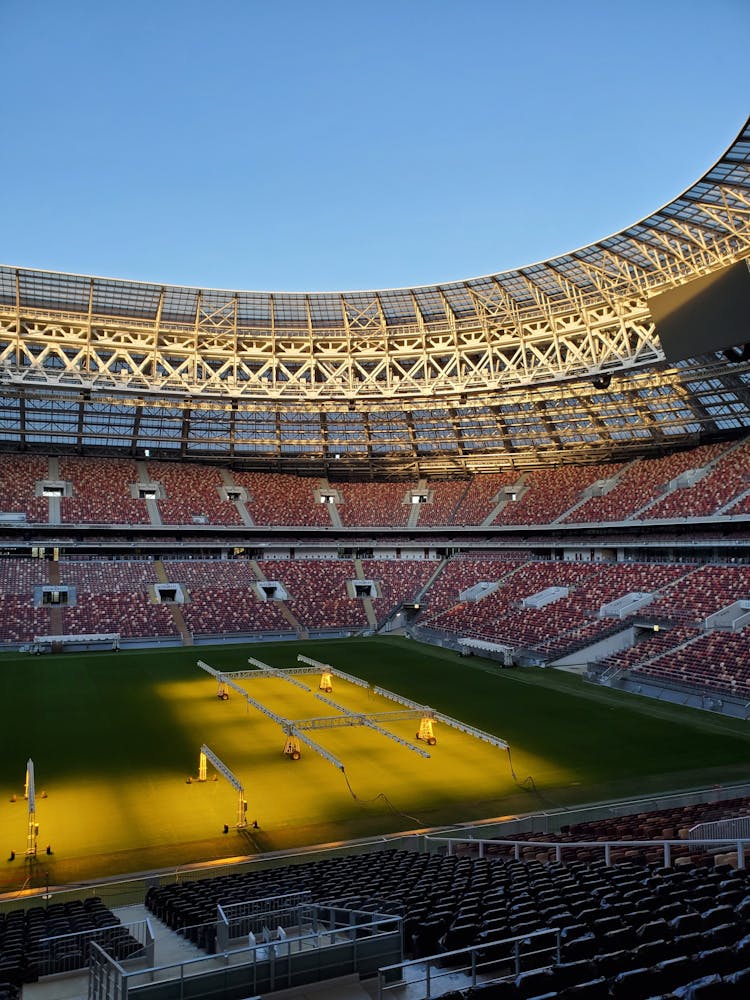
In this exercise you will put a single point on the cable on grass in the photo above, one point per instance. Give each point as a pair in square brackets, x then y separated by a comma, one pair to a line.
[375, 798]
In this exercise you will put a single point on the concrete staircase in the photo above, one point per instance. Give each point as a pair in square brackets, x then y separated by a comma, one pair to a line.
[152, 507]
[298, 627]
[372, 619]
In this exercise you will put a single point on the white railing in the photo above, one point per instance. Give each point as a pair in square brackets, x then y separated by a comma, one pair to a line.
[558, 848]
[737, 826]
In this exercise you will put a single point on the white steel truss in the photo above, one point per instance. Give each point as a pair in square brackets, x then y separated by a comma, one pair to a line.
[522, 334]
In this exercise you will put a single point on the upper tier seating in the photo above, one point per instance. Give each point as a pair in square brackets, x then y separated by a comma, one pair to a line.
[192, 492]
[374, 504]
[446, 497]
[727, 480]
[280, 499]
[19, 475]
[549, 493]
[642, 482]
[101, 491]
[482, 494]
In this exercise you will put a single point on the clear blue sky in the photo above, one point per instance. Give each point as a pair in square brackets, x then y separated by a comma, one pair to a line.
[317, 145]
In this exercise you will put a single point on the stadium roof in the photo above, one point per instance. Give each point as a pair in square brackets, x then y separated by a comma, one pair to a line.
[437, 378]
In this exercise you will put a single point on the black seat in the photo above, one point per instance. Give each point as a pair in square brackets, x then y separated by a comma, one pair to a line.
[717, 960]
[636, 984]
[595, 989]
[534, 983]
[706, 988]
[675, 971]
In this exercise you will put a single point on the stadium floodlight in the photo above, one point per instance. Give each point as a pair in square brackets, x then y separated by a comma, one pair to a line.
[206, 754]
[30, 796]
[327, 669]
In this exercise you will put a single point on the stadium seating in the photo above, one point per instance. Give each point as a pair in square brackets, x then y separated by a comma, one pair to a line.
[446, 497]
[399, 579]
[101, 491]
[567, 624]
[317, 591]
[225, 611]
[20, 621]
[463, 572]
[479, 498]
[192, 492]
[648, 648]
[641, 483]
[728, 480]
[280, 499]
[633, 928]
[717, 662]
[549, 493]
[24, 958]
[129, 614]
[374, 504]
[701, 592]
[99, 576]
[19, 475]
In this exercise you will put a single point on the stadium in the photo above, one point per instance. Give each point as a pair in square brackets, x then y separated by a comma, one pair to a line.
[251, 541]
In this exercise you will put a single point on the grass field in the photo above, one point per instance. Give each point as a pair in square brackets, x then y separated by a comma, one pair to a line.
[115, 736]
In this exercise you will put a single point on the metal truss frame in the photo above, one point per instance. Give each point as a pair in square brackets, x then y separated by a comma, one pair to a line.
[296, 364]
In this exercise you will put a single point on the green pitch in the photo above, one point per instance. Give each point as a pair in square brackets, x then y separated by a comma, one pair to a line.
[115, 737]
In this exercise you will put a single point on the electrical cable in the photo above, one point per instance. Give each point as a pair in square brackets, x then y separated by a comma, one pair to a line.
[380, 795]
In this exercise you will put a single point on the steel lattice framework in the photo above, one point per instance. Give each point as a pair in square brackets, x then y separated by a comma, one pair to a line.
[479, 374]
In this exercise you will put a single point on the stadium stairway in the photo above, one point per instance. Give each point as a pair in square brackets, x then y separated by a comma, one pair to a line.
[727, 507]
[177, 616]
[227, 479]
[152, 507]
[579, 503]
[372, 619]
[54, 515]
[519, 487]
[332, 508]
[416, 509]
[298, 627]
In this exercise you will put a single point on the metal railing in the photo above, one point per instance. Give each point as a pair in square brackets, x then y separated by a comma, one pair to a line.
[557, 849]
[478, 963]
[70, 952]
